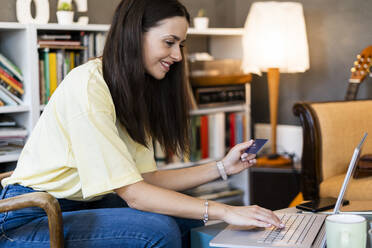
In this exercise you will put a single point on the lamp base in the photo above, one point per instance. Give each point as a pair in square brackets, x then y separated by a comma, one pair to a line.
[273, 160]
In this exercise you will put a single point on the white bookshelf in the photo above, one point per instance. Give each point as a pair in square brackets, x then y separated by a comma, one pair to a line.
[18, 42]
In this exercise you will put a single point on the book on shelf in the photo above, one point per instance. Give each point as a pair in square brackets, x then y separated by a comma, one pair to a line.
[64, 43]
[55, 36]
[55, 62]
[11, 83]
[212, 136]
[9, 77]
[52, 72]
[10, 150]
[11, 132]
[7, 121]
[11, 67]
[216, 129]
[8, 97]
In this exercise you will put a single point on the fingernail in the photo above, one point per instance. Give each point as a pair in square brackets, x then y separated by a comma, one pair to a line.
[268, 225]
[281, 225]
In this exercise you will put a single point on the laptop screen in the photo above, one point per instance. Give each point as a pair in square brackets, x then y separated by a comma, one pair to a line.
[349, 173]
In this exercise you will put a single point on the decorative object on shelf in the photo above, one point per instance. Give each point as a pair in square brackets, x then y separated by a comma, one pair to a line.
[23, 11]
[65, 15]
[82, 6]
[201, 21]
[275, 41]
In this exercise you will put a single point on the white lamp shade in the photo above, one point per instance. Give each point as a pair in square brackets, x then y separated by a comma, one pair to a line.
[275, 37]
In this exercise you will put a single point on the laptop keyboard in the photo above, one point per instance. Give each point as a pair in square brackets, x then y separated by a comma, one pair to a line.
[296, 228]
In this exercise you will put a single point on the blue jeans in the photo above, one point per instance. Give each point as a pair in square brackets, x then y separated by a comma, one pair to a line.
[108, 222]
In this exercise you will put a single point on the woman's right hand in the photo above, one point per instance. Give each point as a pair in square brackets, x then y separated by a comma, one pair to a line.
[251, 216]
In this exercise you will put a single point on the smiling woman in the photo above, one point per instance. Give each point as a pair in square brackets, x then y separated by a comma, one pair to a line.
[162, 46]
[102, 121]
[147, 65]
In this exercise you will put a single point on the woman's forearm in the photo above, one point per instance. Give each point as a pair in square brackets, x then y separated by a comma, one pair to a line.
[147, 197]
[182, 179]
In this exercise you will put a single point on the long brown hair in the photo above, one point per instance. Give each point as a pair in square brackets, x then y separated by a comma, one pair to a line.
[146, 106]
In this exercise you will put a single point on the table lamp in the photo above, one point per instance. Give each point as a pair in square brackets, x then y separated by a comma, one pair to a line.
[275, 41]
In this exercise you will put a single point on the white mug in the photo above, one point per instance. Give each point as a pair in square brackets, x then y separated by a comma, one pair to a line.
[346, 230]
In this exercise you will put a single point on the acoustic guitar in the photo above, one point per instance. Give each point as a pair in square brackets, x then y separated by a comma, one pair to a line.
[361, 69]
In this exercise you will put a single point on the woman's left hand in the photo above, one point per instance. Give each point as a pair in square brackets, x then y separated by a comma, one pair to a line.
[237, 160]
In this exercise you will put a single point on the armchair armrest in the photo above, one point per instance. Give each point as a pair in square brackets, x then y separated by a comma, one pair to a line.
[45, 201]
[311, 154]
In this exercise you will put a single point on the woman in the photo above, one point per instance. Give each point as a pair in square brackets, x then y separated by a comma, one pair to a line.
[95, 138]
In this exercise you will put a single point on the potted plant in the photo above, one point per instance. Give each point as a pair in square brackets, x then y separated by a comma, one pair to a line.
[65, 15]
[200, 21]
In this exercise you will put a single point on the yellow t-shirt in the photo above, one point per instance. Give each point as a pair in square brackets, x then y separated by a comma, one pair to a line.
[77, 149]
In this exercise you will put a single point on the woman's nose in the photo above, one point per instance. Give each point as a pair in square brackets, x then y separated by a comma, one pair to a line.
[176, 54]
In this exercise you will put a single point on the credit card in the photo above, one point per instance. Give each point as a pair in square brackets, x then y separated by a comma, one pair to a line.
[256, 146]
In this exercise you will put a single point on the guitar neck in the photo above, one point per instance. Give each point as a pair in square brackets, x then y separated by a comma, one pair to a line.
[352, 91]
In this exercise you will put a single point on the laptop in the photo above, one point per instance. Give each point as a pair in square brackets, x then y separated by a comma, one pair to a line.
[302, 230]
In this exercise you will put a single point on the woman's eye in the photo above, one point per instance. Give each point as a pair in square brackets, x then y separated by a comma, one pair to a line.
[170, 43]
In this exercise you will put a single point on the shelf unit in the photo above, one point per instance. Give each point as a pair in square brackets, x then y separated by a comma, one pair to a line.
[18, 42]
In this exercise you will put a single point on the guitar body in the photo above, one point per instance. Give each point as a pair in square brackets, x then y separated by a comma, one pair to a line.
[362, 67]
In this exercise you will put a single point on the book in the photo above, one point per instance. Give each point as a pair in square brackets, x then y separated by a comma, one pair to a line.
[55, 37]
[11, 84]
[13, 132]
[42, 81]
[216, 135]
[239, 133]
[11, 67]
[58, 43]
[52, 73]
[72, 60]
[10, 150]
[204, 136]
[66, 64]
[60, 65]
[7, 121]
[46, 74]
[7, 99]
[195, 152]
[91, 45]
[84, 42]
[14, 98]
[2, 71]
[99, 42]
[232, 130]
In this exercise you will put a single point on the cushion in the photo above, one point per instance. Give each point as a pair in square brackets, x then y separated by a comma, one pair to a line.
[358, 189]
